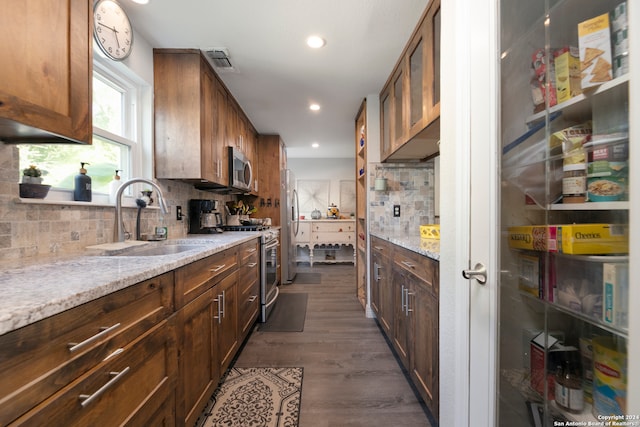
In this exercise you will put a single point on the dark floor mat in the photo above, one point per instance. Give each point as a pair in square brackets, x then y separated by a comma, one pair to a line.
[307, 279]
[288, 314]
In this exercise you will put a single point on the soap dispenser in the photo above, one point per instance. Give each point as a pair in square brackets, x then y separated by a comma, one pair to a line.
[114, 185]
[82, 187]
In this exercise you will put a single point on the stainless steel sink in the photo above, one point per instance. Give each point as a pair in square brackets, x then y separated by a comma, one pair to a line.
[169, 249]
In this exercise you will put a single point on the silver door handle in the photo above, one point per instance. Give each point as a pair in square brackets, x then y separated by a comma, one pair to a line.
[479, 273]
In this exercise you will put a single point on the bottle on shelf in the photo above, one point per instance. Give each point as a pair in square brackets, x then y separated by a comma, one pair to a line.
[568, 387]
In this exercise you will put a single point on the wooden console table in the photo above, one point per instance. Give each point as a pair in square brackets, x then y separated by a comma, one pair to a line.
[327, 236]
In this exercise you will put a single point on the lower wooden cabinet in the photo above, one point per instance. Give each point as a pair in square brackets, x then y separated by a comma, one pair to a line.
[225, 320]
[248, 287]
[148, 355]
[41, 361]
[404, 297]
[130, 384]
[198, 368]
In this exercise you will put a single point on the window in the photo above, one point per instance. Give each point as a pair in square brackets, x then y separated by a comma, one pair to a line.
[115, 142]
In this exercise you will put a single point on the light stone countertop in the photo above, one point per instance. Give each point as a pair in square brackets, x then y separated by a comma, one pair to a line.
[36, 290]
[426, 247]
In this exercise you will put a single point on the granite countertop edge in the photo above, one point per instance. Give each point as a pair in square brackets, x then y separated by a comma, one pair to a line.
[36, 290]
[426, 247]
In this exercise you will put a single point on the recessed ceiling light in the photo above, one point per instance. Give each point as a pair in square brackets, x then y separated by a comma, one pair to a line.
[315, 42]
[315, 145]
[140, 1]
[314, 107]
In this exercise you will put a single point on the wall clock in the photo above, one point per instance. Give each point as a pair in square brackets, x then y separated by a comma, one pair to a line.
[112, 29]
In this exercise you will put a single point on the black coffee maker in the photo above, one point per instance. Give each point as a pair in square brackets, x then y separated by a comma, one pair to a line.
[204, 217]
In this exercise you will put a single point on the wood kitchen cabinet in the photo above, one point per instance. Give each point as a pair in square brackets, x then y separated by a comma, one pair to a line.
[46, 79]
[410, 99]
[416, 321]
[248, 287]
[271, 151]
[198, 286]
[381, 283]
[225, 320]
[404, 297]
[186, 118]
[361, 202]
[49, 366]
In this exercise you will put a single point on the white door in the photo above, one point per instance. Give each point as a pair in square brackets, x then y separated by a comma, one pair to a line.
[469, 189]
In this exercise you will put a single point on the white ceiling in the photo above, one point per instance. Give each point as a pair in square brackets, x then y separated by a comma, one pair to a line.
[277, 75]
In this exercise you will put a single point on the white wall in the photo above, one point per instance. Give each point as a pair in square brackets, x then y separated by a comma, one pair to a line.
[333, 169]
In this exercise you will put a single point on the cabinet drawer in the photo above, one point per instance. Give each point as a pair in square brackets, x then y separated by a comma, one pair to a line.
[248, 252]
[304, 232]
[333, 237]
[334, 227]
[195, 278]
[38, 360]
[416, 264]
[381, 246]
[248, 306]
[139, 375]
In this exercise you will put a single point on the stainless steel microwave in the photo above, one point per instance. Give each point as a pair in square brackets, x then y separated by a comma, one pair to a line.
[240, 173]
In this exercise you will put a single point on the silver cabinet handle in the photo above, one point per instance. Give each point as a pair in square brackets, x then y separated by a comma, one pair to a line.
[218, 268]
[251, 265]
[378, 248]
[252, 250]
[376, 272]
[87, 399]
[402, 304]
[408, 264]
[253, 298]
[407, 309]
[219, 316]
[224, 304]
[479, 273]
[103, 331]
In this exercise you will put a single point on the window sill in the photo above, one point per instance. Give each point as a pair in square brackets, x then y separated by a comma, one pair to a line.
[128, 202]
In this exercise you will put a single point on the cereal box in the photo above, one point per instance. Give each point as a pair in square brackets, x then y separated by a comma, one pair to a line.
[576, 239]
[530, 274]
[567, 69]
[594, 40]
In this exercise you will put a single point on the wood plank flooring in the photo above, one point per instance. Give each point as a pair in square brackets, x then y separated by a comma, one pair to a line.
[351, 377]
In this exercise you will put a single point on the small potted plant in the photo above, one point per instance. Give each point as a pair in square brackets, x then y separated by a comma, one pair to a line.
[31, 186]
[32, 175]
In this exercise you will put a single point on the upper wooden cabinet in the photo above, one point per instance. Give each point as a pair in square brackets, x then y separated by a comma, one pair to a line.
[196, 119]
[45, 79]
[410, 100]
[186, 125]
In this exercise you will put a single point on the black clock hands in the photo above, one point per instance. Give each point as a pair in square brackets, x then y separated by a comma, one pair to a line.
[115, 32]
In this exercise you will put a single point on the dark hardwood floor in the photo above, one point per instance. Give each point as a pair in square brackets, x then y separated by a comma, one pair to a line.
[351, 377]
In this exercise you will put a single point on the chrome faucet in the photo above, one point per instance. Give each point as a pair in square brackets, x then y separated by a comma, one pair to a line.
[118, 231]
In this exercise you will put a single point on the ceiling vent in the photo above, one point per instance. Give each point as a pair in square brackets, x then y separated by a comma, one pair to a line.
[219, 58]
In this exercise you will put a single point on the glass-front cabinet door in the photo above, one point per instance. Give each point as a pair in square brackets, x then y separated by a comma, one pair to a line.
[564, 217]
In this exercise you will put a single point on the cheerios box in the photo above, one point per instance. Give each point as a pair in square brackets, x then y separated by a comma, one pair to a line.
[576, 239]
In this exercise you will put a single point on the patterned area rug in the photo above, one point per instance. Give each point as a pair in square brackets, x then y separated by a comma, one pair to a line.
[256, 397]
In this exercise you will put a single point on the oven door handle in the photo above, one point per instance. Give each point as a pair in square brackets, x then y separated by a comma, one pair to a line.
[272, 244]
[274, 297]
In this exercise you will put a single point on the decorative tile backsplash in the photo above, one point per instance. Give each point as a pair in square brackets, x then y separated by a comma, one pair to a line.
[29, 230]
[409, 185]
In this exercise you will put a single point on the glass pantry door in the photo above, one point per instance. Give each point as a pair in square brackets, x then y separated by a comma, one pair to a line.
[564, 212]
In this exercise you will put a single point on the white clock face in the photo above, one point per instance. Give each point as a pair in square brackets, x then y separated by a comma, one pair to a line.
[112, 29]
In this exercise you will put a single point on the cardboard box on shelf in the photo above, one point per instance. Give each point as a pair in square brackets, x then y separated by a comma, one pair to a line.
[615, 282]
[556, 354]
[530, 274]
[576, 239]
[567, 69]
[594, 39]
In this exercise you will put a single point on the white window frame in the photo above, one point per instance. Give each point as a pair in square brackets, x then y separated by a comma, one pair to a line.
[138, 122]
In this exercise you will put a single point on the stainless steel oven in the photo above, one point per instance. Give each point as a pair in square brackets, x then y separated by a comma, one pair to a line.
[269, 291]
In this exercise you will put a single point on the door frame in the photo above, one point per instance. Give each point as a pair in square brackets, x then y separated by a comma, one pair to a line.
[470, 222]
